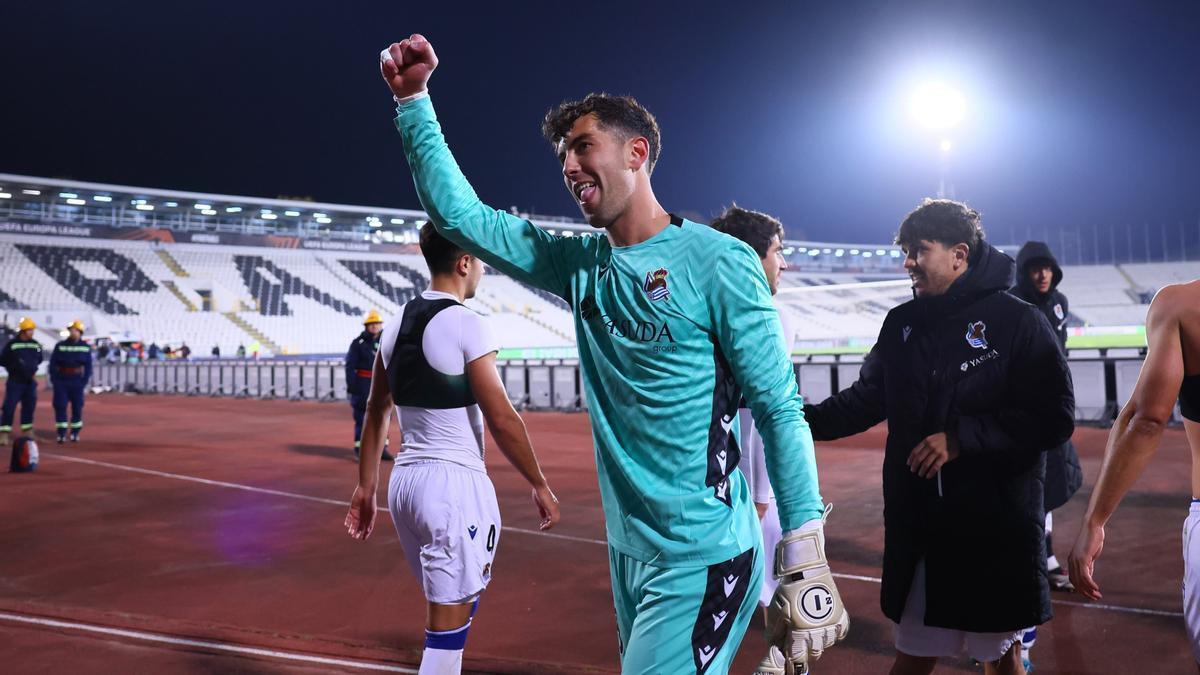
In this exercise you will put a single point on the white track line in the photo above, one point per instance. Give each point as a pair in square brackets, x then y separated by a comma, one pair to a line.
[204, 644]
[553, 535]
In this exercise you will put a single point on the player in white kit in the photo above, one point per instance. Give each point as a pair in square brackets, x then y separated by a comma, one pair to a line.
[437, 365]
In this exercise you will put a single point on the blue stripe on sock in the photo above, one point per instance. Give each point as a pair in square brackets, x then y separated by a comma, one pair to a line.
[449, 640]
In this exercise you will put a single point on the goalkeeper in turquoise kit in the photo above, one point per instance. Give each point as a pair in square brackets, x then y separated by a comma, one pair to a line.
[674, 324]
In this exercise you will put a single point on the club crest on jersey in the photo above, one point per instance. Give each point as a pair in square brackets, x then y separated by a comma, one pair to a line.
[655, 285]
[1058, 311]
[975, 336]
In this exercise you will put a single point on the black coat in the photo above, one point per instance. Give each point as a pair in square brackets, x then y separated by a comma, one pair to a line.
[979, 363]
[1064, 475]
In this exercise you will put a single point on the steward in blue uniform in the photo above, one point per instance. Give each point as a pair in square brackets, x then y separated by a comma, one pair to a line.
[20, 357]
[360, 362]
[70, 371]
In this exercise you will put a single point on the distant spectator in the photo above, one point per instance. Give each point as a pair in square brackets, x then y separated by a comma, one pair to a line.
[216, 351]
[154, 351]
[184, 351]
[241, 351]
[102, 350]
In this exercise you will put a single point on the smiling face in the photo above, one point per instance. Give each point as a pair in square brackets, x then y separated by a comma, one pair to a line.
[599, 169]
[933, 266]
[774, 264]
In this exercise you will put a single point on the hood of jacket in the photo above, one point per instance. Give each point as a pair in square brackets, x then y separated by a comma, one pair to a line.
[1031, 252]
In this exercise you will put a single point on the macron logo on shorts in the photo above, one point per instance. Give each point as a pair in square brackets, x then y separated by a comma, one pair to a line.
[472, 530]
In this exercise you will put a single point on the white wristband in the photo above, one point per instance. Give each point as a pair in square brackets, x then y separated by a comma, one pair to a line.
[409, 99]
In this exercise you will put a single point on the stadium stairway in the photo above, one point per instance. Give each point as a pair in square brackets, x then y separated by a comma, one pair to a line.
[253, 332]
[170, 286]
[171, 263]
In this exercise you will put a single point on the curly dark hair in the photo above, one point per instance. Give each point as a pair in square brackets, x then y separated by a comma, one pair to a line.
[620, 114]
[942, 220]
[753, 227]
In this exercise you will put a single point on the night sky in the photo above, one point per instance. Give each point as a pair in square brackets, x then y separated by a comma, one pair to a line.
[1078, 113]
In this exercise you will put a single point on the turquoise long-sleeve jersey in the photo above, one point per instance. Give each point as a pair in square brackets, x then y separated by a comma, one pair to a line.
[671, 332]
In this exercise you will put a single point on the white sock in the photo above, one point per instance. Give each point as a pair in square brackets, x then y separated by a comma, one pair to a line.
[441, 662]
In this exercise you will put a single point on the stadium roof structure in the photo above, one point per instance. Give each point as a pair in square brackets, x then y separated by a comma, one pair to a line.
[46, 200]
[33, 199]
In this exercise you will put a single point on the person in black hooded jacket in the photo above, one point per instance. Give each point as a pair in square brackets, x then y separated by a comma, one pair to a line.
[974, 389]
[1038, 276]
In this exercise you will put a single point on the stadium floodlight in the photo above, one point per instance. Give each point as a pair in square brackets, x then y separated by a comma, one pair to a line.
[144, 207]
[880, 251]
[814, 252]
[854, 251]
[31, 192]
[826, 250]
[375, 223]
[5, 195]
[202, 207]
[789, 250]
[102, 198]
[77, 202]
[397, 221]
[172, 204]
[265, 211]
[324, 220]
[839, 253]
[233, 209]
[895, 254]
[568, 233]
[866, 254]
[319, 215]
[269, 216]
[802, 249]
[420, 223]
[209, 212]
[934, 105]
[291, 213]
[68, 195]
[945, 145]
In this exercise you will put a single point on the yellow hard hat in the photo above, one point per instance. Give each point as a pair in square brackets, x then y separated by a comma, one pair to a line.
[76, 324]
[26, 324]
[372, 317]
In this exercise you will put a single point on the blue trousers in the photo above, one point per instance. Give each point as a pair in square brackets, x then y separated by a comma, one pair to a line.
[24, 393]
[358, 403]
[68, 392]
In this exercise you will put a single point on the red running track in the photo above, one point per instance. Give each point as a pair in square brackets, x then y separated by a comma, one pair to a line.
[205, 535]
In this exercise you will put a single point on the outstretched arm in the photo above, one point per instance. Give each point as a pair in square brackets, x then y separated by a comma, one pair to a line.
[853, 409]
[1134, 436]
[513, 245]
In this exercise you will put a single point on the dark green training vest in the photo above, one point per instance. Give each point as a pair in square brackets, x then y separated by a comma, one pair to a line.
[414, 382]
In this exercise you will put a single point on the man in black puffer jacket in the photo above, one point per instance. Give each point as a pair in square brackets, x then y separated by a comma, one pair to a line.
[974, 389]
[1038, 276]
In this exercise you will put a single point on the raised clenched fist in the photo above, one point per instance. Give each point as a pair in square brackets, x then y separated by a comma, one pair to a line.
[407, 65]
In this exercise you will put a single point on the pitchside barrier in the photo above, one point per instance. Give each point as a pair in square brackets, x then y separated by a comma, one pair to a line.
[1103, 381]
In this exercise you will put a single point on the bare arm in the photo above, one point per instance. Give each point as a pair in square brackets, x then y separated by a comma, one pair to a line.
[360, 520]
[508, 429]
[1134, 436]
